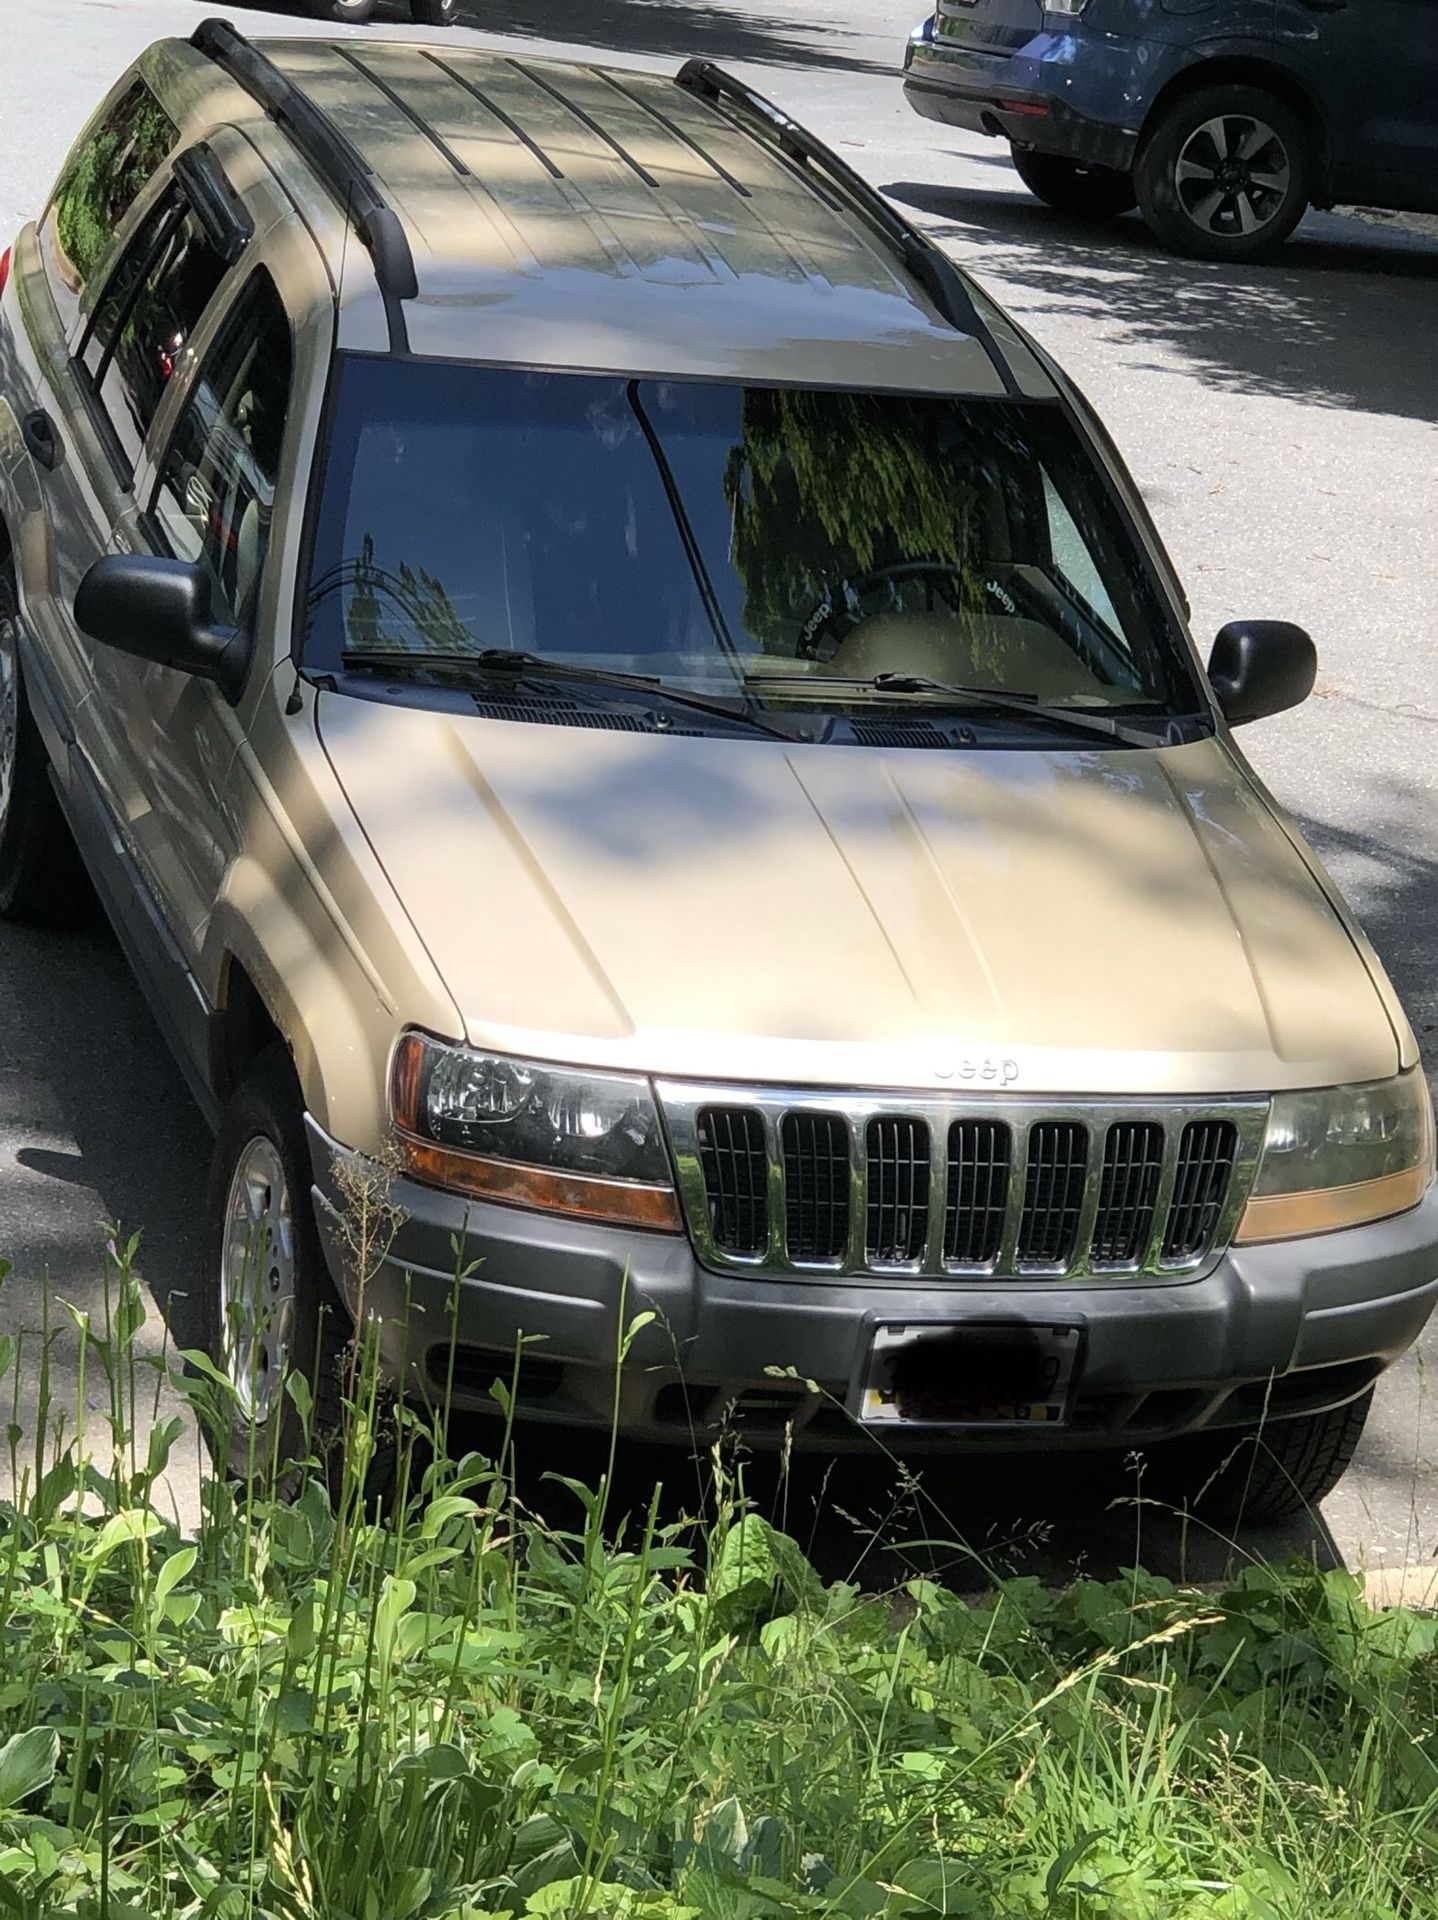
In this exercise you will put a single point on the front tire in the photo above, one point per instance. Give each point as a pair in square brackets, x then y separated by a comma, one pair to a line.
[271, 1308]
[1255, 1476]
[434, 13]
[1089, 193]
[41, 881]
[1224, 175]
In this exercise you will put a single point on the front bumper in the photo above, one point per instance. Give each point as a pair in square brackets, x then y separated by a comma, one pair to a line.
[1275, 1330]
[1077, 94]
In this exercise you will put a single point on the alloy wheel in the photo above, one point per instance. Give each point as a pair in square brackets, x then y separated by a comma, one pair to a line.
[257, 1279]
[1233, 175]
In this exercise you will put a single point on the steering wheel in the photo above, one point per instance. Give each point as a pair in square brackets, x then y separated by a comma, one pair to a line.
[833, 619]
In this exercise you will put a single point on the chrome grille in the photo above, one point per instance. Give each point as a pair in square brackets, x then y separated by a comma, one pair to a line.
[1011, 1187]
[1205, 1165]
[1054, 1184]
[980, 1162]
[1128, 1192]
[898, 1215]
[736, 1178]
[816, 1185]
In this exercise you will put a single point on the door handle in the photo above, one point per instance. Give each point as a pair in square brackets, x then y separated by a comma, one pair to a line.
[38, 431]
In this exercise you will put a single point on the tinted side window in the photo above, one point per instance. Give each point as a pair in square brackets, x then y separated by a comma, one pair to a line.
[151, 305]
[216, 492]
[108, 168]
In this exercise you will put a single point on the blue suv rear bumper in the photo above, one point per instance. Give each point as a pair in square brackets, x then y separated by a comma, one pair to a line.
[1076, 93]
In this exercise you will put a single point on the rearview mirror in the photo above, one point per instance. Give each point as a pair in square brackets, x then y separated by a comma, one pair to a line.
[1261, 667]
[160, 610]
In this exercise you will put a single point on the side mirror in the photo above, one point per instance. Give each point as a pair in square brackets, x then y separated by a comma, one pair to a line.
[1261, 667]
[160, 610]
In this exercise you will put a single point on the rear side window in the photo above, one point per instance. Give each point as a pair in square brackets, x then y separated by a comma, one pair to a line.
[109, 167]
[216, 492]
[151, 305]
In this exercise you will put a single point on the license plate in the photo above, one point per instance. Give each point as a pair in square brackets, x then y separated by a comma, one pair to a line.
[976, 1373]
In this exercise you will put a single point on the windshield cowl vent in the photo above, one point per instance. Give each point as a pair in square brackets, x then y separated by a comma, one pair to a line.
[550, 714]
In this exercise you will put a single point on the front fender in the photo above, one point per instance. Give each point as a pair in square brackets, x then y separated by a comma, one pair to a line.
[336, 1027]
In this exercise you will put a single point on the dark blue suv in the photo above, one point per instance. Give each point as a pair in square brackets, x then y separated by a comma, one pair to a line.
[1222, 120]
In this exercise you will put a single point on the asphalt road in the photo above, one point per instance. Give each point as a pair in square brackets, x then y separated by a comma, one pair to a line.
[1283, 422]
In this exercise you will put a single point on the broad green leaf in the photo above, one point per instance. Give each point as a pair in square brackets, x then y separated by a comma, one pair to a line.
[176, 1568]
[123, 1529]
[396, 1597]
[27, 1763]
[163, 1436]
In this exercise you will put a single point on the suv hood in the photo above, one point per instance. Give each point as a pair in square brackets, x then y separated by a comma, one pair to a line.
[1064, 921]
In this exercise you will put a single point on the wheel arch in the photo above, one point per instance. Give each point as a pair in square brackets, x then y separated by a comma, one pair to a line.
[244, 1028]
[1250, 70]
[271, 981]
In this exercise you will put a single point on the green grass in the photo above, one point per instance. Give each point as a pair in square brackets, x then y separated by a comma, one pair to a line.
[470, 1711]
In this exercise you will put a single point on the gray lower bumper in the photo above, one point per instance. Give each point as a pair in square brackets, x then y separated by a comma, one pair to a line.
[1286, 1328]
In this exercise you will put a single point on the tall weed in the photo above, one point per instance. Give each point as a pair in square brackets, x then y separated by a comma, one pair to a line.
[305, 1710]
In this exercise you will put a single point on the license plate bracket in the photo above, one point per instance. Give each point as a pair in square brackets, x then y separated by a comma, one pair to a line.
[970, 1373]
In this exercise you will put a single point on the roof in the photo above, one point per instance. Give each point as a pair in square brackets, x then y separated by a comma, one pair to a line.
[570, 215]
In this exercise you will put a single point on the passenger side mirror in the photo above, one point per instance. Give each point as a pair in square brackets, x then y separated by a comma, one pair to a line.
[1261, 667]
[160, 610]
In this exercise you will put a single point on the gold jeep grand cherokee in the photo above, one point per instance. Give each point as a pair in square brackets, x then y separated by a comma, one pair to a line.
[585, 658]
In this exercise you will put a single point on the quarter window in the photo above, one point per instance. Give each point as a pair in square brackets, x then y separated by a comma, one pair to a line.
[1074, 561]
[216, 492]
[109, 167]
[151, 306]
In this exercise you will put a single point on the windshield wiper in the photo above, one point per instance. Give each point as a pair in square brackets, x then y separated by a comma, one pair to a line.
[1028, 706]
[515, 665]
[989, 699]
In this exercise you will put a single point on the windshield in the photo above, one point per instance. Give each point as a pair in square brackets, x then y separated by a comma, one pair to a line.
[791, 547]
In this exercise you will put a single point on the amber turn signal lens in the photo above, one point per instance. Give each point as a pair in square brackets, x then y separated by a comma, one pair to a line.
[1290, 1216]
[626, 1203]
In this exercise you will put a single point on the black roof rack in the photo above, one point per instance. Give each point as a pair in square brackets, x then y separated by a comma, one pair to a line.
[934, 271]
[375, 222]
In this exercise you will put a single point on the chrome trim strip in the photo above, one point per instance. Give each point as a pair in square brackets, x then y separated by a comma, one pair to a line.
[681, 1101]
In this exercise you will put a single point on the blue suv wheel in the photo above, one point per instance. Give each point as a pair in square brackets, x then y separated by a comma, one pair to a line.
[1224, 173]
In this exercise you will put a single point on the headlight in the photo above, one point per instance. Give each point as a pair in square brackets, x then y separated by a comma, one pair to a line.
[1338, 1156]
[532, 1134]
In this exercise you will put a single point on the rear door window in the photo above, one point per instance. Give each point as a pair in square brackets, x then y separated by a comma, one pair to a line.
[215, 497]
[152, 304]
[109, 167]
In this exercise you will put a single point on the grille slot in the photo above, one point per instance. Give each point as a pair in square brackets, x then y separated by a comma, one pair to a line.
[898, 1219]
[1206, 1156]
[736, 1176]
[1128, 1192]
[981, 1156]
[1053, 1193]
[816, 1182]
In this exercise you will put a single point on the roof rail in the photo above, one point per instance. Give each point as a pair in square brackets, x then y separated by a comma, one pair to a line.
[375, 222]
[934, 271]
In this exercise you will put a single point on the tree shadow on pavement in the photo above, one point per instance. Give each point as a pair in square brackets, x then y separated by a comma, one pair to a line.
[1341, 319]
[98, 1130]
[679, 29]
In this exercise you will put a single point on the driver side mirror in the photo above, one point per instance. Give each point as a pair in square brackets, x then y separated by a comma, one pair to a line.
[1261, 667]
[160, 610]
